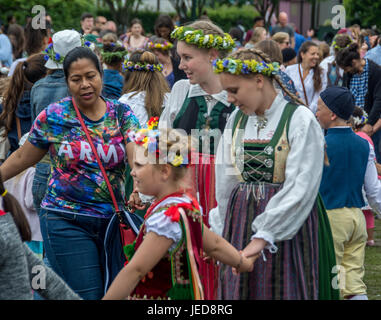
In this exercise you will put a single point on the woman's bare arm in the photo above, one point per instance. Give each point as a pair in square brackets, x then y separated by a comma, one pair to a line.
[23, 158]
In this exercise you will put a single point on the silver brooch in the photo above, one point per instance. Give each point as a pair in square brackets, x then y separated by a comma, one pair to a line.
[269, 163]
[269, 150]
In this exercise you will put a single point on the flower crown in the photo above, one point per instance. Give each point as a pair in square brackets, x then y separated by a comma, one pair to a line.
[201, 40]
[139, 66]
[56, 57]
[360, 121]
[337, 47]
[237, 66]
[162, 46]
[109, 56]
[148, 138]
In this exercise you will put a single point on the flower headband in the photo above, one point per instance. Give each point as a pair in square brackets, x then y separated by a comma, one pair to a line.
[360, 121]
[56, 57]
[148, 138]
[201, 40]
[337, 47]
[162, 46]
[109, 56]
[139, 66]
[237, 66]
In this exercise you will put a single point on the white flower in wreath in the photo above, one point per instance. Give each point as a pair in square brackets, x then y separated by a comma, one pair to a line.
[187, 32]
[357, 121]
[206, 39]
[197, 37]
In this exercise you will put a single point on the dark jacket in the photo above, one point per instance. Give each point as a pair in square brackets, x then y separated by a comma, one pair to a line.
[373, 96]
[112, 84]
[23, 112]
[48, 90]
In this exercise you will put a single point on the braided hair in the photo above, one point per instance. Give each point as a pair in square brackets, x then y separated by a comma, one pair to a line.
[258, 55]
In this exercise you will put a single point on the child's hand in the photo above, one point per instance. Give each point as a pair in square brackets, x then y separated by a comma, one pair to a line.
[246, 265]
[135, 202]
[206, 257]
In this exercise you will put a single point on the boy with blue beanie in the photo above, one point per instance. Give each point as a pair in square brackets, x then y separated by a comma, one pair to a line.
[351, 166]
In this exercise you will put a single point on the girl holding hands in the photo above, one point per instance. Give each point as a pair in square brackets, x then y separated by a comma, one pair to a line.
[165, 258]
[268, 172]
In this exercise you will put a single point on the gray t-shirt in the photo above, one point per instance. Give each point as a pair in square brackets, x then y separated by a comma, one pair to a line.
[288, 29]
[21, 270]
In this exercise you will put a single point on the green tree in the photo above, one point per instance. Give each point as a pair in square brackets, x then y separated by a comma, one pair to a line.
[122, 12]
[266, 9]
[365, 12]
[188, 9]
[65, 14]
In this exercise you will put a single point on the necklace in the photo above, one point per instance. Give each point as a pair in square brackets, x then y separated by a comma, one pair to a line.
[261, 123]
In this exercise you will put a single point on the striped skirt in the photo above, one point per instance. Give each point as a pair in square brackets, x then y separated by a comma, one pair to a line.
[203, 188]
[294, 272]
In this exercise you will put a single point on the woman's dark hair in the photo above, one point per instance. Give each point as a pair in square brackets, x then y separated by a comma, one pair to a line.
[80, 53]
[34, 39]
[11, 205]
[136, 21]
[317, 69]
[23, 78]
[342, 42]
[16, 36]
[344, 57]
[163, 20]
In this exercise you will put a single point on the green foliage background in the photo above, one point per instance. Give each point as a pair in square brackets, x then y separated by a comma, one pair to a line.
[65, 13]
[364, 12]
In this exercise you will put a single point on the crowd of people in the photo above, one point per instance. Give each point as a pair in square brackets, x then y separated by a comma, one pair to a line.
[265, 148]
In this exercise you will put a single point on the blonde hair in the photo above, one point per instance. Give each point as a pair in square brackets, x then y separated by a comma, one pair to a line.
[209, 27]
[256, 37]
[258, 55]
[110, 37]
[281, 37]
[173, 142]
[152, 82]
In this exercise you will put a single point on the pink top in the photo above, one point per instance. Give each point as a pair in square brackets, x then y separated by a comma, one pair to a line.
[369, 139]
[20, 187]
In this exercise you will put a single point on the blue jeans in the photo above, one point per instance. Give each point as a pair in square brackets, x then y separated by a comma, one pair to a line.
[74, 247]
[40, 183]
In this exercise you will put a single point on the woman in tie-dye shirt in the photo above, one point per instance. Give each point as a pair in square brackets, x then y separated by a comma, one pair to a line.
[77, 206]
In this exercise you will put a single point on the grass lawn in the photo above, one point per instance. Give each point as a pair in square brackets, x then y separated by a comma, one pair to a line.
[373, 265]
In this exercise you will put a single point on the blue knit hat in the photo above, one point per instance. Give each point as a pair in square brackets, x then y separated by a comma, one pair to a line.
[339, 100]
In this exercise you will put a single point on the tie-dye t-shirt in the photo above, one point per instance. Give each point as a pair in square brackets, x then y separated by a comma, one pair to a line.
[76, 184]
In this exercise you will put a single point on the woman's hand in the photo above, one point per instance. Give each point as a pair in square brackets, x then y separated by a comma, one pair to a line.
[135, 202]
[246, 264]
[255, 247]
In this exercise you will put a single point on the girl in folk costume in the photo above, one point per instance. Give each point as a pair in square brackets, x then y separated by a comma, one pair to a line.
[164, 259]
[200, 103]
[268, 172]
[143, 76]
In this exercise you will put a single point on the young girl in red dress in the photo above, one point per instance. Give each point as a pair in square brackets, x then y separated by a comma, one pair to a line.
[168, 252]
